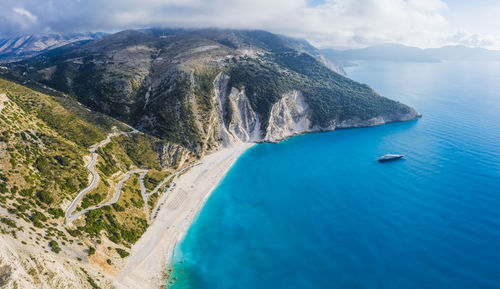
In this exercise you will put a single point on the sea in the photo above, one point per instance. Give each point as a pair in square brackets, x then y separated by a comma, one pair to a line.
[318, 210]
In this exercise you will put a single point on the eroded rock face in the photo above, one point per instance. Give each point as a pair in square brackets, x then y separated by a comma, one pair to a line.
[244, 122]
[238, 121]
[289, 116]
[172, 155]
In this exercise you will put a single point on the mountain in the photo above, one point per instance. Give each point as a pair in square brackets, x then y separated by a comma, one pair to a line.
[179, 85]
[123, 114]
[463, 53]
[23, 47]
[402, 53]
[384, 52]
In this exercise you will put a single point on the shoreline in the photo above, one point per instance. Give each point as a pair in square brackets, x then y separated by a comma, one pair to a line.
[150, 256]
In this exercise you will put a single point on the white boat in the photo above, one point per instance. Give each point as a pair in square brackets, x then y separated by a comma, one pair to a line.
[389, 157]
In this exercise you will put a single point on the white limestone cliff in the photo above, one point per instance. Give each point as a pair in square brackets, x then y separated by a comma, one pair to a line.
[238, 121]
[289, 116]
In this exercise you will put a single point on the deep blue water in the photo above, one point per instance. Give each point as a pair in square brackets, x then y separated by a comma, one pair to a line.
[318, 211]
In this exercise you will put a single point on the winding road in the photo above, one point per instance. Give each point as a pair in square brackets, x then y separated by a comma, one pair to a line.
[70, 216]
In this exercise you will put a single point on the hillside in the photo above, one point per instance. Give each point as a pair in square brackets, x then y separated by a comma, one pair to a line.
[44, 141]
[163, 83]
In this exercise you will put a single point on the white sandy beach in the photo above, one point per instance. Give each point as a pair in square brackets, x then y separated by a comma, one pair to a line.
[149, 256]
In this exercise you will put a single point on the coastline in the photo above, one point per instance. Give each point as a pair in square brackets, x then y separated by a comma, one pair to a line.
[149, 256]
[370, 123]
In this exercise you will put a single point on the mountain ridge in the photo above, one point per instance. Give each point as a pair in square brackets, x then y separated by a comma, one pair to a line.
[402, 53]
[26, 46]
[140, 76]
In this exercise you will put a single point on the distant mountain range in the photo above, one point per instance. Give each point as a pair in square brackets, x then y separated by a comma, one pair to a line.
[402, 53]
[25, 46]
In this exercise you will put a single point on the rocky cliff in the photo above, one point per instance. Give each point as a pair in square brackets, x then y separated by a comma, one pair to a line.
[199, 89]
[238, 122]
[290, 115]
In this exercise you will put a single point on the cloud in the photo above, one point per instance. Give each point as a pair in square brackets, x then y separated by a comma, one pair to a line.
[23, 12]
[15, 20]
[364, 22]
[466, 38]
[323, 22]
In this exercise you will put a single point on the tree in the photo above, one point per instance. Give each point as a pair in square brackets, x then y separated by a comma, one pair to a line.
[45, 197]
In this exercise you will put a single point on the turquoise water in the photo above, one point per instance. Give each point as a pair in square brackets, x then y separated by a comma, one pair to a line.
[318, 211]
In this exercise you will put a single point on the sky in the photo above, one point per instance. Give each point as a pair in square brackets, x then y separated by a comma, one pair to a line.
[324, 23]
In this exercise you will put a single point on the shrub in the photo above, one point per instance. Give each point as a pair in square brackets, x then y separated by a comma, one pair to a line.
[56, 213]
[62, 160]
[8, 222]
[122, 252]
[45, 197]
[3, 188]
[54, 246]
[41, 165]
[118, 208]
[37, 217]
[91, 199]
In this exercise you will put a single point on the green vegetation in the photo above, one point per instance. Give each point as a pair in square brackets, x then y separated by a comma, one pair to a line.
[58, 116]
[3, 188]
[57, 169]
[98, 220]
[150, 182]
[91, 281]
[8, 222]
[91, 200]
[122, 252]
[109, 165]
[41, 165]
[264, 84]
[141, 148]
[45, 197]
[330, 95]
[56, 213]
[44, 167]
[118, 208]
[54, 246]
[37, 218]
